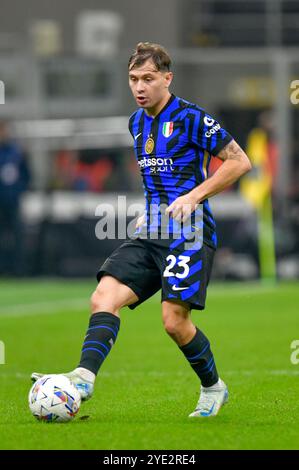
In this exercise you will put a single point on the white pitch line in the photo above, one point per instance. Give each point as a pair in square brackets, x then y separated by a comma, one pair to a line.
[251, 292]
[52, 307]
[250, 373]
[121, 373]
[49, 307]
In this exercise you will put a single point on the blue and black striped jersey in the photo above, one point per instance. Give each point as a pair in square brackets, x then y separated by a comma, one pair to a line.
[173, 151]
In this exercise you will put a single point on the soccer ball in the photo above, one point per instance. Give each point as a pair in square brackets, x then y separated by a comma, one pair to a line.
[54, 398]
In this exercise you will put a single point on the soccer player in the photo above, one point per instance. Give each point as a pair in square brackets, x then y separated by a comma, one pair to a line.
[174, 141]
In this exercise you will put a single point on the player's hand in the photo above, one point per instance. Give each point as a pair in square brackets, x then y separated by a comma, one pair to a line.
[182, 207]
[140, 221]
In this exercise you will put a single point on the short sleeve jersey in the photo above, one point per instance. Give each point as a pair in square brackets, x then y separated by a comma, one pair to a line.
[173, 151]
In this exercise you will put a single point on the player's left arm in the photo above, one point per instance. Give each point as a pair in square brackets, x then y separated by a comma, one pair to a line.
[235, 164]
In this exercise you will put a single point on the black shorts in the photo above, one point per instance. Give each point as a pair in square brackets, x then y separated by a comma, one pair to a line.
[147, 267]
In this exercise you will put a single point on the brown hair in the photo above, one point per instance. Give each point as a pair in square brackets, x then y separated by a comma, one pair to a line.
[148, 50]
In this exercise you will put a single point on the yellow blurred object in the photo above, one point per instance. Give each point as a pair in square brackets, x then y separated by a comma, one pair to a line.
[46, 37]
[256, 188]
[256, 185]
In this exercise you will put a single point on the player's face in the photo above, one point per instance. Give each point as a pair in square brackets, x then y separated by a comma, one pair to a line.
[149, 86]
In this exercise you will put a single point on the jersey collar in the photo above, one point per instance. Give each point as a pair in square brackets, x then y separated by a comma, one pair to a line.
[171, 99]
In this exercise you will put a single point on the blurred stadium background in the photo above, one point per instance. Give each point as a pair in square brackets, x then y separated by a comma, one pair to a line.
[67, 102]
[65, 148]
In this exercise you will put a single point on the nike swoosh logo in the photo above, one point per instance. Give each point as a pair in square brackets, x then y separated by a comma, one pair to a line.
[136, 136]
[179, 288]
[209, 412]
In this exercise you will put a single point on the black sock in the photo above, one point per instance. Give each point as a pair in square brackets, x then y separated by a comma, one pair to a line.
[99, 339]
[201, 359]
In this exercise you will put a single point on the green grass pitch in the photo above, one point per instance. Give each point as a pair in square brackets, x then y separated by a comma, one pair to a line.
[146, 389]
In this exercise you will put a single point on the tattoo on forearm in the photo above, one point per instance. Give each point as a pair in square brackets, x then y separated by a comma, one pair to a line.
[231, 151]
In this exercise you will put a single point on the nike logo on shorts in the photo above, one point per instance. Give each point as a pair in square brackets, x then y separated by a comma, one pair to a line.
[179, 288]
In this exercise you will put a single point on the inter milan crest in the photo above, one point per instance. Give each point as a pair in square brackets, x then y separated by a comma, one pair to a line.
[167, 129]
[149, 144]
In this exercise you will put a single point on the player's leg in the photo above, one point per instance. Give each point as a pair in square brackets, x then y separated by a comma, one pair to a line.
[196, 348]
[192, 341]
[184, 287]
[127, 277]
[106, 301]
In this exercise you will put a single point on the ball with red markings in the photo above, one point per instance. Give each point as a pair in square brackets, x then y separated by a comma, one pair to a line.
[53, 398]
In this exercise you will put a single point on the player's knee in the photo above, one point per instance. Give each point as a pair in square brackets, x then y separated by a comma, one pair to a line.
[171, 328]
[173, 324]
[175, 317]
[102, 301]
[94, 301]
[111, 295]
